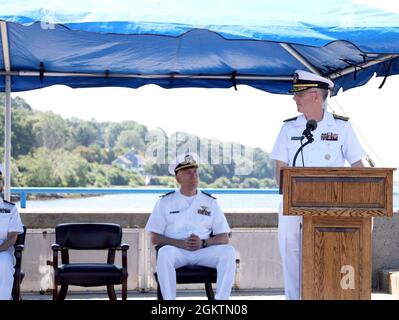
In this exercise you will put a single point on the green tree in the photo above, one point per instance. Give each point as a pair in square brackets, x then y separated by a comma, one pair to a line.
[250, 183]
[22, 121]
[206, 173]
[130, 139]
[167, 181]
[71, 169]
[36, 170]
[117, 176]
[51, 151]
[156, 169]
[263, 166]
[98, 176]
[93, 153]
[235, 182]
[111, 134]
[50, 130]
[136, 180]
[84, 133]
[221, 182]
[268, 183]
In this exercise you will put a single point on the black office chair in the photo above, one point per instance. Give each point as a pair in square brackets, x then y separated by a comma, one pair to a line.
[89, 236]
[192, 274]
[18, 273]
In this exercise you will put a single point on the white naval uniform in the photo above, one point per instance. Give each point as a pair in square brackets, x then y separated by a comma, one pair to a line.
[174, 217]
[10, 221]
[334, 142]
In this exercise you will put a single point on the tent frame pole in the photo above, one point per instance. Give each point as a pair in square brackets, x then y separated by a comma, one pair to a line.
[7, 112]
[300, 58]
[342, 72]
[7, 140]
[334, 75]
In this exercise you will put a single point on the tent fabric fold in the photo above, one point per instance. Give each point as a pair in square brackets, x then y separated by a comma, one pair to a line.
[261, 50]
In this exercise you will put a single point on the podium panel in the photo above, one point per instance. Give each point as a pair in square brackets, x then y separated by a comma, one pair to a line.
[337, 205]
[336, 258]
[338, 191]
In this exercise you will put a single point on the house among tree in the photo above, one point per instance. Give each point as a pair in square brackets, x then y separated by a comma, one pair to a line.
[131, 161]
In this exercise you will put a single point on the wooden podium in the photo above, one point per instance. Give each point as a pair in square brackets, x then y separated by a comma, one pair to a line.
[337, 205]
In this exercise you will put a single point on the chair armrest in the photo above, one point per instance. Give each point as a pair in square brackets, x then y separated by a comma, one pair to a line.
[18, 253]
[18, 258]
[123, 246]
[55, 247]
[19, 248]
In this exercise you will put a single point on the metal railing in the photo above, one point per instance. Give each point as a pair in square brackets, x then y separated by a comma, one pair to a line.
[25, 191]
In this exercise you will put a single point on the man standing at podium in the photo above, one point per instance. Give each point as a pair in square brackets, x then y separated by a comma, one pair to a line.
[334, 142]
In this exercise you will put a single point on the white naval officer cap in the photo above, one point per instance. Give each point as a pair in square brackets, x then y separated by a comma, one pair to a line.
[183, 161]
[304, 80]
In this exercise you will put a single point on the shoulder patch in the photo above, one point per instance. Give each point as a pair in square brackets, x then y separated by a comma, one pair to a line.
[290, 119]
[337, 116]
[166, 194]
[207, 194]
[9, 202]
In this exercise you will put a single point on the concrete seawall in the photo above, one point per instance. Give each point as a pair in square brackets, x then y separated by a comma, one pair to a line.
[254, 237]
[137, 218]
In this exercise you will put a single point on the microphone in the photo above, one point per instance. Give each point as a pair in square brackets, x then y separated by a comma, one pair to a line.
[311, 125]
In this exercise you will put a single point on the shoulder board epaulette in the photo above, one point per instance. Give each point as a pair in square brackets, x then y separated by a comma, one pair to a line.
[290, 119]
[207, 194]
[337, 116]
[9, 202]
[166, 194]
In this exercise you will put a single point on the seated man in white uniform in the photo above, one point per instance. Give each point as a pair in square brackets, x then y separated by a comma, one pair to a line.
[182, 222]
[334, 142]
[10, 227]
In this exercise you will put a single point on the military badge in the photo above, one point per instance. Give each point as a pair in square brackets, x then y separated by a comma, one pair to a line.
[295, 78]
[4, 210]
[204, 211]
[188, 158]
[329, 136]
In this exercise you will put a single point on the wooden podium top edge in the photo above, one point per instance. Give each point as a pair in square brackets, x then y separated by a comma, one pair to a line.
[340, 168]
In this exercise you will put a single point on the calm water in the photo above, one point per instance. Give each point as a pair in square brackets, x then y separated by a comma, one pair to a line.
[148, 201]
[226, 201]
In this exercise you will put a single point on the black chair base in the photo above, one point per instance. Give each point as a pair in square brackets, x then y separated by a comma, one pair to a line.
[193, 274]
[61, 294]
[18, 273]
[16, 288]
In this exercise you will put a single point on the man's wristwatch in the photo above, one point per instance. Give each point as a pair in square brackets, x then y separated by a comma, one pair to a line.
[204, 244]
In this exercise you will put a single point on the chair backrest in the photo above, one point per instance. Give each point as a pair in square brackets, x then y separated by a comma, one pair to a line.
[86, 236]
[21, 237]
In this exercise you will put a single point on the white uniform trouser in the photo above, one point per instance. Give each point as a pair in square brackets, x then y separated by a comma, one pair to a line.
[289, 238]
[6, 275]
[221, 257]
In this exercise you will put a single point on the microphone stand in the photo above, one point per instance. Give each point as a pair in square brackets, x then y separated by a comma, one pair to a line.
[310, 140]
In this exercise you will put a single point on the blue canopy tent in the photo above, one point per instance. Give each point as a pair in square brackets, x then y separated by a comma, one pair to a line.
[209, 44]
